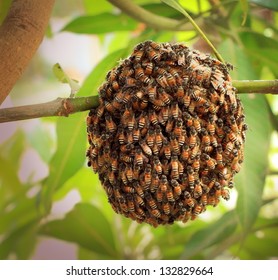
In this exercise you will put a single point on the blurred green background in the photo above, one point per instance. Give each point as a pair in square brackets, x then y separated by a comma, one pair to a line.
[53, 207]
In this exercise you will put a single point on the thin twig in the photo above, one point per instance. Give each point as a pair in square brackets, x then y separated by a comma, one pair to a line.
[152, 20]
[67, 106]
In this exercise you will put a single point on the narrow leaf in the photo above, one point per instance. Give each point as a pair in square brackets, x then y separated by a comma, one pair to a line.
[86, 226]
[250, 180]
[270, 4]
[212, 234]
[69, 156]
[101, 23]
[97, 76]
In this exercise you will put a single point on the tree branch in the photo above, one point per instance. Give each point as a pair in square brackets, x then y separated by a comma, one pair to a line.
[150, 19]
[67, 106]
[57, 107]
[20, 35]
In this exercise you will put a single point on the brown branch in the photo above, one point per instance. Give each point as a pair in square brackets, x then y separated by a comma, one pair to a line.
[20, 35]
[67, 106]
[58, 107]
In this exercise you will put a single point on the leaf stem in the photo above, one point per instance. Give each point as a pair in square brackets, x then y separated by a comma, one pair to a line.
[66, 106]
[152, 20]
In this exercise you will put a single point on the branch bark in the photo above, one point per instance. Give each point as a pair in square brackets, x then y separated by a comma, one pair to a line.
[67, 106]
[20, 35]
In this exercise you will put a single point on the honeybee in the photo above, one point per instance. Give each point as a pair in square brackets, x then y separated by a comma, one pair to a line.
[197, 189]
[138, 157]
[174, 167]
[177, 187]
[174, 144]
[150, 201]
[225, 194]
[166, 148]
[115, 85]
[185, 153]
[170, 195]
[166, 207]
[192, 137]
[169, 124]
[164, 115]
[129, 173]
[121, 135]
[136, 134]
[219, 157]
[157, 165]
[171, 80]
[178, 127]
[211, 200]
[153, 55]
[190, 176]
[155, 182]
[138, 188]
[146, 149]
[164, 184]
[181, 58]
[153, 117]
[205, 138]
[156, 213]
[143, 120]
[159, 195]
[158, 137]
[197, 210]
[204, 199]
[165, 97]
[149, 68]
[188, 200]
[210, 162]
[165, 166]
[138, 54]
[150, 138]
[182, 138]
[130, 203]
[111, 126]
[219, 128]
[147, 176]
[123, 205]
[109, 107]
[228, 148]
[196, 163]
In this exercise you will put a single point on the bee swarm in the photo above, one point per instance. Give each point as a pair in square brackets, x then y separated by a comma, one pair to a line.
[167, 137]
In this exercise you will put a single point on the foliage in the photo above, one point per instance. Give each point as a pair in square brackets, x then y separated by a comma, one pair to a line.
[246, 35]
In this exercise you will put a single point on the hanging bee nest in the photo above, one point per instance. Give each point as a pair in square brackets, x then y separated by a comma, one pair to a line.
[167, 137]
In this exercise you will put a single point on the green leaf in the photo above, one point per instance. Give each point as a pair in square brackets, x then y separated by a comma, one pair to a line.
[100, 24]
[97, 76]
[102, 6]
[63, 77]
[41, 141]
[175, 5]
[86, 226]
[69, 156]
[212, 234]
[250, 180]
[267, 57]
[20, 242]
[270, 4]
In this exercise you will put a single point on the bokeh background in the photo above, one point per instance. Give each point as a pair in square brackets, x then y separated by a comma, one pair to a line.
[52, 206]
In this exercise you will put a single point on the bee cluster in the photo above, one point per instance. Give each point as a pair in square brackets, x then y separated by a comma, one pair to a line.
[167, 137]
